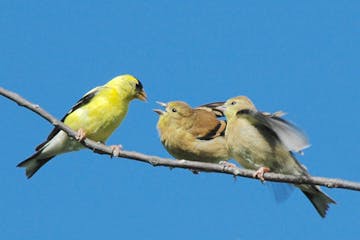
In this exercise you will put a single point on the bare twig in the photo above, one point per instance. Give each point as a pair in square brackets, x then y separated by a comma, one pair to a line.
[185, 164]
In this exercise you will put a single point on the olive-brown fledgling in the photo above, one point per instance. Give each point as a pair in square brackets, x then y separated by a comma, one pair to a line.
[265, 144]
[194, 134]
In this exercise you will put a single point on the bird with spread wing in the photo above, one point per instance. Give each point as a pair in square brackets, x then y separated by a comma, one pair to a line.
[266, 143]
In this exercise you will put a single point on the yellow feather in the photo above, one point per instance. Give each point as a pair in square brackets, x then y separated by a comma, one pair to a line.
[101, 116]
[97, 115]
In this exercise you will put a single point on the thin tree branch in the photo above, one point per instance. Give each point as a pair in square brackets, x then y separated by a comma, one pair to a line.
[185, 164]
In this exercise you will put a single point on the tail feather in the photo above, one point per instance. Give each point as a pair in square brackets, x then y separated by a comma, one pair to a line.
[33, 164]
[318, 198]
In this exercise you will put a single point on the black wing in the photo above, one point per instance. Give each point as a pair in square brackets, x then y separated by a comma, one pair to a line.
[290, 135]
[83, 101]
[258, 120]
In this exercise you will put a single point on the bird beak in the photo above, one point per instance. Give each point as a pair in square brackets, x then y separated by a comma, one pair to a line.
[159, 111]
[213, 105]
[164, 105]
[221, 108]
[142, 95]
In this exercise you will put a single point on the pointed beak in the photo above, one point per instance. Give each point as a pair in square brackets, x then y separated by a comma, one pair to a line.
[164, 105]
[142, 95]
[221, 108]
[159, 111]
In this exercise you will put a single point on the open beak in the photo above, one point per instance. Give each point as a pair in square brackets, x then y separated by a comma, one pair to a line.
[159, 111]
[142, 95]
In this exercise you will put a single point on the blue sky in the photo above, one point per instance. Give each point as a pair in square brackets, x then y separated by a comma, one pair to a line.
[301, 57]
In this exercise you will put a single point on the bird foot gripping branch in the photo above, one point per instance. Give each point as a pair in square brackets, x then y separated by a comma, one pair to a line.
[226, 164]
[260, 173]
[80, 135]
[116, 149]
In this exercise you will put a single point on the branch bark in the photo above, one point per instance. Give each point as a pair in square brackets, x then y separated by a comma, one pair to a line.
[184, 164]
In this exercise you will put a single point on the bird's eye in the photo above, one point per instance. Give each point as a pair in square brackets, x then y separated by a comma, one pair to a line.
[173, 110]
[233, 103]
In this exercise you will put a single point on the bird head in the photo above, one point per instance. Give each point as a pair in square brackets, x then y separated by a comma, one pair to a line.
[129, 87]
[234, 105]
[175, 109]
[174, 113]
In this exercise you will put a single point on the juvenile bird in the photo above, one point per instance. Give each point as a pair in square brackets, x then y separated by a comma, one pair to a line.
[264, 143]
[95, 116]
[192, 134]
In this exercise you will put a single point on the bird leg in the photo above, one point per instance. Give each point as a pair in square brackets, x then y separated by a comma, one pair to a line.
[260, 173]
[116, 149]
[80, 135]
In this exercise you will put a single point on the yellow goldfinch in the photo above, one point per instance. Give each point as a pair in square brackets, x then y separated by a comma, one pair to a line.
[264, 143]
[192, 134]
[95, 116]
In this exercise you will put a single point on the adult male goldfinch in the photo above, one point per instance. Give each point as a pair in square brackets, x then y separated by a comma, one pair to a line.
[264, 143]
[192, 134]
[95, 116]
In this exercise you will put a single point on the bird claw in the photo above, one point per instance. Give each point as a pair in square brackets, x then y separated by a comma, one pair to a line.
[260, 173]
[227, 164]
[116, 149]
[80, 135]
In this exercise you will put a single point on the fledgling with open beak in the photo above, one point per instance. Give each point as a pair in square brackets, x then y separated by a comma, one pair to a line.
[95, 116]
[265, 143]
[194, 134]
